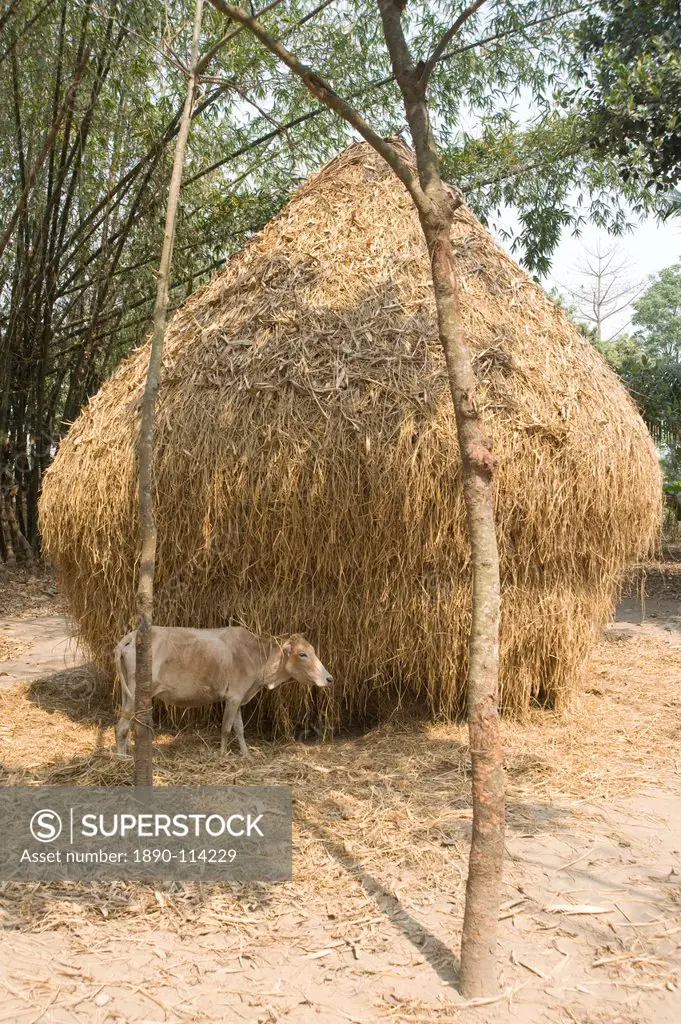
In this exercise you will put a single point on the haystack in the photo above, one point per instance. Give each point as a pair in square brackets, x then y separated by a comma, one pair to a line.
[307, 473]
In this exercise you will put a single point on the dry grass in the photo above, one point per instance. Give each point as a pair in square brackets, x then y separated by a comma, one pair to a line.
[11, 648]
[307, 472]
[27, 592]
[622, 732]
[390, 807]
[661, 579]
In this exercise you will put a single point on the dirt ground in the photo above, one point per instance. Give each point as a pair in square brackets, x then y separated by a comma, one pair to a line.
[369, 928]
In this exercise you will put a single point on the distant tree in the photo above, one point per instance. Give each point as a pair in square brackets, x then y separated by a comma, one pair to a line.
[655, 386]
[657, 314]
[649, 361]
[605, 288]
[653, 375]
[670, 457]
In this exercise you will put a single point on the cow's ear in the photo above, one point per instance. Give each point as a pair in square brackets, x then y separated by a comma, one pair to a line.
[287, 648]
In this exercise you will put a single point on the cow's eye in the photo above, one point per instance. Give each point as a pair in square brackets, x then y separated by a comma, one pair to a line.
[302, 654]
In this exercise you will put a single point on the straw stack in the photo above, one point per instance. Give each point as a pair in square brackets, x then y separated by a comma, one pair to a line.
[307, 471]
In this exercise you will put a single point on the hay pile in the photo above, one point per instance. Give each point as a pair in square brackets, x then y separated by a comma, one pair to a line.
[307, 474]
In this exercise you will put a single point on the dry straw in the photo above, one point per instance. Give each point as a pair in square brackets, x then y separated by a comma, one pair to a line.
[307, 473]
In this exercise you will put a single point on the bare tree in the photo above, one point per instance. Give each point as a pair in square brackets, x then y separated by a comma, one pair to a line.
[605, 288]
[436, 204]
[147, 525]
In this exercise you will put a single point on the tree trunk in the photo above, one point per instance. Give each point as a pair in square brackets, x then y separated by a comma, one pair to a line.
[147, 526]
[478, 975]
[10, 557]
[435, 206]
[19, 542]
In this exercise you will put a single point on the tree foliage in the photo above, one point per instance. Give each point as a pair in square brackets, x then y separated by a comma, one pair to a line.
[657, 315]
[649, 361]
[630, 83]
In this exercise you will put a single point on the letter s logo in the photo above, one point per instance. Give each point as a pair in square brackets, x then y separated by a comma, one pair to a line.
[45, 826]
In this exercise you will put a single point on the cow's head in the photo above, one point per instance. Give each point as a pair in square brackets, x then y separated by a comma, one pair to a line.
[301, 663]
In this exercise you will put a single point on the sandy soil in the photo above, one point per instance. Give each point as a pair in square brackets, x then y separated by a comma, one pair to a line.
[369, 928]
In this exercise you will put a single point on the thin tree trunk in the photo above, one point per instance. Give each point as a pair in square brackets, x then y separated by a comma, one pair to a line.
[478, 975]
[33, 491]
[10, 557]
[23, 510]
[435, 206]
[19, 542]
[147, 526]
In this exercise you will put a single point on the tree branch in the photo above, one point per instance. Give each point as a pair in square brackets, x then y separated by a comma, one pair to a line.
[329, 97]
[446, 39]
[228, 36]
[413, 92]
[401, 59]
[378, 83]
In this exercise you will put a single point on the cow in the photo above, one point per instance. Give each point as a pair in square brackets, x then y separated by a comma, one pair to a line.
[195, 667]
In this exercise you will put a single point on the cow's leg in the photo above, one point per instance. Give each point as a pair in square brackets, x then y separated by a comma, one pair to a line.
[228, 716]
[123, 727]
[127, 682]
[239, 730]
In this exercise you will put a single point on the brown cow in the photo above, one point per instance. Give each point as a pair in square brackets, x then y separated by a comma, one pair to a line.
[195, 667]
